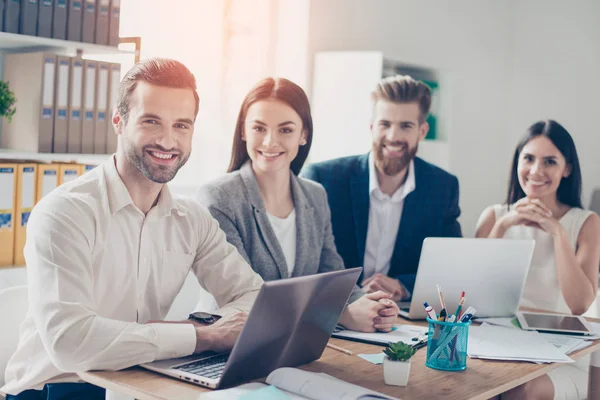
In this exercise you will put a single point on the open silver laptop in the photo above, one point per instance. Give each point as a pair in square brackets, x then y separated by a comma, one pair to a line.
[492, 272]
[289, 325]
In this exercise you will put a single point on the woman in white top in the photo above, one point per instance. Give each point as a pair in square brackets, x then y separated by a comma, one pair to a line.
[280, 223]
[544, 203]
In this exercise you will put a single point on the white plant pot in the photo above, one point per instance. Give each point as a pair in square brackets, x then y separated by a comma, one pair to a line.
[396, 372]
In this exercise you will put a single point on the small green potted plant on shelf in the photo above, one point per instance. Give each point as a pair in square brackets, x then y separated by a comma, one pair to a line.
[396, 364]
[7, 101]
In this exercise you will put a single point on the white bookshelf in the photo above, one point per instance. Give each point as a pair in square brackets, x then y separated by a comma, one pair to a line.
[17, 43]
[53, 157]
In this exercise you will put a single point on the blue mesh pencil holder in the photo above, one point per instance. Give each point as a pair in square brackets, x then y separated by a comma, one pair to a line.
[447, 345]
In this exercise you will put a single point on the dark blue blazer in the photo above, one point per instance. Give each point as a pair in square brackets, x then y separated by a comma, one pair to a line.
[431, 210]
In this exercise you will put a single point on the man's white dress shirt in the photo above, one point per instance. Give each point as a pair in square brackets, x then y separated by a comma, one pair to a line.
[384, 220]
[99, 269]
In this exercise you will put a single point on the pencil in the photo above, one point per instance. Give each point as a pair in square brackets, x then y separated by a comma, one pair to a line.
[441, 296]
[338, 348]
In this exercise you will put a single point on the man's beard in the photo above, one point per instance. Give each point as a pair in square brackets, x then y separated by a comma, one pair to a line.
[391, 166]
[139, 158]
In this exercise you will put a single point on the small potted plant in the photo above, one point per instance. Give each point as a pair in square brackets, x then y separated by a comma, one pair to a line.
[396, 364]
[7, 101]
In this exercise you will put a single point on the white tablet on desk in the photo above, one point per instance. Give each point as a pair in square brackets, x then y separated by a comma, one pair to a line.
[559, 323]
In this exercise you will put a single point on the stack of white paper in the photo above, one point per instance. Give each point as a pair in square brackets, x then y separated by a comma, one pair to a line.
[564, 342]
[500, 343]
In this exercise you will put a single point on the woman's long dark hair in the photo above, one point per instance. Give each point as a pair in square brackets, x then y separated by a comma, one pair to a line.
[569, 190]
[277, 89]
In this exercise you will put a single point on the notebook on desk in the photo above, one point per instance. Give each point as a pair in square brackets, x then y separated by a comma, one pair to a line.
[289, 325]
[492, 272]
[296, 384]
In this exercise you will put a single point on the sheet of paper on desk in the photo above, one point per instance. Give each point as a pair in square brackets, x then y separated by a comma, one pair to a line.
[401, 333]
[500, 343]
[373, 358]
[565, 343]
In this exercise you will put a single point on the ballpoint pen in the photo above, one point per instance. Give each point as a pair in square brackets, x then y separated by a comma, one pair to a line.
[442, 302]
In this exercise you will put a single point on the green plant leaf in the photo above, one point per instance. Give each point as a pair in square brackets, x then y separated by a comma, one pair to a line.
[399, 351]
[7, 101]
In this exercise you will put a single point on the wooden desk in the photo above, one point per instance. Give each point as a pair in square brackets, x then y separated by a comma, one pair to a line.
[481, 380]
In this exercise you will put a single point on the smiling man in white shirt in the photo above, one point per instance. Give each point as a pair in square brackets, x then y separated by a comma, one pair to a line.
[107, 253]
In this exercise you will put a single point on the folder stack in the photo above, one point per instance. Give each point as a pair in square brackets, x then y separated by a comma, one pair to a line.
[31, 77]
[22, 186]
[25, 200]
[91, 21]
[8, 191]
[68, 108]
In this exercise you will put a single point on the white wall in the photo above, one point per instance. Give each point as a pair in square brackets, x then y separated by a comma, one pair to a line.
[555, 73]
[468, 43]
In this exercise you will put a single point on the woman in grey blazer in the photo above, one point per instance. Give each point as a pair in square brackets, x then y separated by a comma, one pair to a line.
[281, 223]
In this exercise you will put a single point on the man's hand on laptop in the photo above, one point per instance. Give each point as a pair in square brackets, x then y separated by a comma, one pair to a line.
[386, 284]
[220, 336]
[372, 312]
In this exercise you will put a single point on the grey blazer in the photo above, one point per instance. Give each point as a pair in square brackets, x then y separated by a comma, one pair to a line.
[234, 200]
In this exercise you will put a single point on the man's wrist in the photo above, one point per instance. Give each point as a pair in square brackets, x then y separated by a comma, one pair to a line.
[204, 339]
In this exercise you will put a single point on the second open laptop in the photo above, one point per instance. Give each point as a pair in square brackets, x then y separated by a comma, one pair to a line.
[289, 325]
[492, 272]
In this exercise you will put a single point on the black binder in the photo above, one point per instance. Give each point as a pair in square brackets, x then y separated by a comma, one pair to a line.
[11, 16]
[59, 19]
[88, 26]
[113, 26]
[28, 17]
[44, 22]
[102, 14]
[1, 15]
[74, 18]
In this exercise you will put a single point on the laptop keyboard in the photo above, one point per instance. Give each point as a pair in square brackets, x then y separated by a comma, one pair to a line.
[208, 367]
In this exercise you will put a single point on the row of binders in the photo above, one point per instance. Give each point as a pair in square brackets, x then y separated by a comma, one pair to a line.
[64, 104]
[91, 21]
[22, 185]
